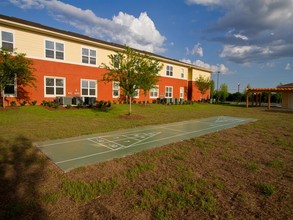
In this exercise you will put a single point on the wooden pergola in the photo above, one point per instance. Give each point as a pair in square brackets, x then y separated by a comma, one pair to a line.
[256, 92]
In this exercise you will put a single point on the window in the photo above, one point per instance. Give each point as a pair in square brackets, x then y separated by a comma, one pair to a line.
[7, 41]
[116, 61]
[89, 88]
[154, 92]
[10, 88]
[136, 93]
[169, 91]
[54, 50]
[182, 73]
[181, 92]
[116, 89]
[54, 86]
[89, 56]
[169, 70]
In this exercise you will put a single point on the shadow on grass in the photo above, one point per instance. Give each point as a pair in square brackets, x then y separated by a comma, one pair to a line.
[21, 170]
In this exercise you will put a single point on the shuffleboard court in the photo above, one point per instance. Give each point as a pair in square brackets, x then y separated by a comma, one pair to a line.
[75, 152]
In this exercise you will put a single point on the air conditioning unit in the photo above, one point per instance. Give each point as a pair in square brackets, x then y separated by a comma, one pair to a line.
[77, 101]
[89, 100]
[65, 100]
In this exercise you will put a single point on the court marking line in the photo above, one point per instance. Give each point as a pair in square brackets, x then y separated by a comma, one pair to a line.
[100, 144]
[95, 154]
[110, 141]
[173, 129]
[130, 132]
[135, 144]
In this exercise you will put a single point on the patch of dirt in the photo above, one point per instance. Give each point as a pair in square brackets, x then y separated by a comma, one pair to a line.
[132, 116]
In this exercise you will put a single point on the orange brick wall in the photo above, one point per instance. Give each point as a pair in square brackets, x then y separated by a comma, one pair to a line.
[73, 73]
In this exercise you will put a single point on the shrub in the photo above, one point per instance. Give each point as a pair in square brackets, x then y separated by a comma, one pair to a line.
[23, 103]
[68, 106]
[34, 102]
[108, 104]
[13, 103]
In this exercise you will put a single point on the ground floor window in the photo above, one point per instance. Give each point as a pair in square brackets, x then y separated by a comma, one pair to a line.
[168, 91]
[136, 94]
[54, 86]
[181, 92]
[11, 88]
[154, 92]
[115, 89]
[88, 88]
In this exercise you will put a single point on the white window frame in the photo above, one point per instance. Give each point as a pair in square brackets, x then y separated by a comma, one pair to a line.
[154, 90]
[169, 70]
[181, 93]
[55, 78]
[167, 92]
[54, 49]
[136, 94]
[88, 88]
[182, 73]
[89, 56]
[114, 84]
[13, 40]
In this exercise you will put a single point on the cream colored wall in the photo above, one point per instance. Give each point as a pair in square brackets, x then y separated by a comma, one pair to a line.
[176, 71]
[196, 73]
[33, 44]
[285, 100]
[290, 100]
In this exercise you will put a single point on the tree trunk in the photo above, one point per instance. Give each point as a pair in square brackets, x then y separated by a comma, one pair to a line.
[130, 105]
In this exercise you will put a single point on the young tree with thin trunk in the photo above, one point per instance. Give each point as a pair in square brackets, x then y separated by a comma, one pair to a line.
[149, 74]
[15, 67]
[203, 84]
[132, 70]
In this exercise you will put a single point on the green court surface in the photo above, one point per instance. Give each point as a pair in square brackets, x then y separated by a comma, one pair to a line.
[75, 152]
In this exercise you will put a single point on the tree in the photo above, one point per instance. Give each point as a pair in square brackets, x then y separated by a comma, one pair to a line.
[212, 89]
[148, 70]
[15, 67]
[223, 92]
[132, 70]
[203, 84]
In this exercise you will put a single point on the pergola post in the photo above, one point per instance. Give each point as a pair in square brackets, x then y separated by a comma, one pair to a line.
[269, 102]
[259, 99]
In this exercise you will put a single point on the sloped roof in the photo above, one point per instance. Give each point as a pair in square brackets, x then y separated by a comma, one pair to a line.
[289, 85]
[87, 38]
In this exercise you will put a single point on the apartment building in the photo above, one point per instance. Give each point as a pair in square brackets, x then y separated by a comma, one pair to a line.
[69, 65]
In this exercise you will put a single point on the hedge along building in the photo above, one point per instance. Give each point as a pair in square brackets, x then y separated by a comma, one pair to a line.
[68, 64]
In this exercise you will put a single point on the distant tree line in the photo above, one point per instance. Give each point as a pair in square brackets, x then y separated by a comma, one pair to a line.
[222, 95]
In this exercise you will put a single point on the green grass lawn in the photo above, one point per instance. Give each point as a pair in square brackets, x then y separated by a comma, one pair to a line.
[243, 172]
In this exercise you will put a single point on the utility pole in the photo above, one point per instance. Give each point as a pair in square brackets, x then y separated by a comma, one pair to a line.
[238, 87]
[218, 81]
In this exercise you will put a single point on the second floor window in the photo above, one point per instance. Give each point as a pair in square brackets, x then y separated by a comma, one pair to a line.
[89, 56]
[169, 70]
[7, 40]
[54, 50]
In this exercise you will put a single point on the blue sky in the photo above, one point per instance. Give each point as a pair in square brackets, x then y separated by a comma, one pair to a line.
[248, 41]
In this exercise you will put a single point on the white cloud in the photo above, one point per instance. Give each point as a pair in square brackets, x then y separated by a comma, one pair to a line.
[242, 37]
[214, 68]
[196, 50]
[140, 33]
[262, 26]
[288, 66]
[204, 2]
